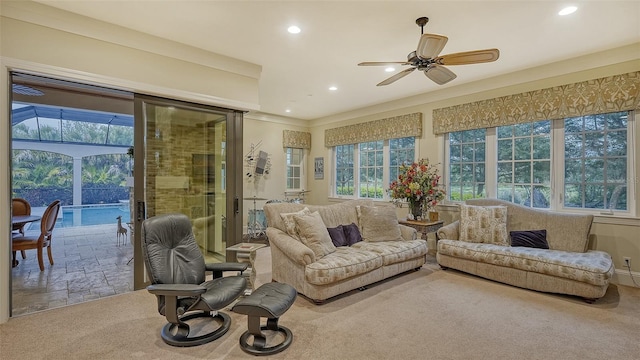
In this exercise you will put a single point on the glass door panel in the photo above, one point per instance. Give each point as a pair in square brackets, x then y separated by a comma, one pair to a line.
[184, 170]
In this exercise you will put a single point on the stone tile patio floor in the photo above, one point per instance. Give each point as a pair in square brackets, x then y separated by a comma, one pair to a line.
[88, 265]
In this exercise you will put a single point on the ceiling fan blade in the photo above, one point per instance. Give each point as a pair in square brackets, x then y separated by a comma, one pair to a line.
[382, 63]
[430, 45]
[397, 76]
[469, 57]
[440, 74]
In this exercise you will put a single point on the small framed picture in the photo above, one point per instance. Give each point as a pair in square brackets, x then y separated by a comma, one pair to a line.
[318, 168]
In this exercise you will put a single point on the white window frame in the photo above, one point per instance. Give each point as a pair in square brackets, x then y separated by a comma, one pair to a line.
[288, 166]
[557, 168]
[356, 169]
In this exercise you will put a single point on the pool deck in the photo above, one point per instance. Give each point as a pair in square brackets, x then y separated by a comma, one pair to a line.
[88, 265]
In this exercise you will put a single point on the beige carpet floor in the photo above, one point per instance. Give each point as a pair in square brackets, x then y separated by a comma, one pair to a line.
[425, 314]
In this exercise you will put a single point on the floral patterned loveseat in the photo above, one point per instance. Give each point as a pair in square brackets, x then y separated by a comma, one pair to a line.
[566, 267]
[385, 251]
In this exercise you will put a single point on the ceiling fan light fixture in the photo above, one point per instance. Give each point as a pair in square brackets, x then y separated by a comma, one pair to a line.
[427, 59]
[567, 10]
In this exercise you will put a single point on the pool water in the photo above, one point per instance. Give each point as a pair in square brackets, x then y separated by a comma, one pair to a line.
[93, 215]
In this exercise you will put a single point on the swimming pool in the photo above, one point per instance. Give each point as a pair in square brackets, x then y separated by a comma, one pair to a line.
[86, 215]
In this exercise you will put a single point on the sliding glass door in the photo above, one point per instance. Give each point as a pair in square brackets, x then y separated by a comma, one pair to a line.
[186, 166]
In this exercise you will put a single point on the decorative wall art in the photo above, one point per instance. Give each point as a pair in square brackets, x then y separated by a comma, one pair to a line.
[318, 168]
[257, 163]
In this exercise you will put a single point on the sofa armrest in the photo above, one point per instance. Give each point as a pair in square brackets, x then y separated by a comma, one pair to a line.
[292, 248]
[450, 231]
[408, 233]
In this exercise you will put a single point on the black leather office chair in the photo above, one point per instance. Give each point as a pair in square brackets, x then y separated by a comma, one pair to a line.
[177, 271]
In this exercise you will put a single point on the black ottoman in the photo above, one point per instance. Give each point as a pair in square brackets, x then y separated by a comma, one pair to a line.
[270, 300]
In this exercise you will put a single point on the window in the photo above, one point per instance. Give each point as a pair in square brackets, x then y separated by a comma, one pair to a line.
[371, 169]
[345, 182]
[295, 159]
[378, 163]
[401, 151]
[466, 165]
[524, 164]
[595, 157]
[591, 168]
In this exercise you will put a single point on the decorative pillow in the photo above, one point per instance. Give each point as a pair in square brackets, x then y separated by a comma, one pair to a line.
[379, 223]
[314, 233]
[531, 238]
[484, 224]
[290, 224]
[351, 234]
[337, 236]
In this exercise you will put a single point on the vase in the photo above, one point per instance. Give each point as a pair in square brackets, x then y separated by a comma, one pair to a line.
[415, 209]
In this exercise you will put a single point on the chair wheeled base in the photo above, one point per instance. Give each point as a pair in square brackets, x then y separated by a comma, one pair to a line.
[178, 334]
[259, 339]
[271, 301]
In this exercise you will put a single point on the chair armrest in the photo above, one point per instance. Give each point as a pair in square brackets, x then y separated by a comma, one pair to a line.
[218, 268]
[227, 266]
[292, 248]
[176, 289]
[408, 233]
[450, 231]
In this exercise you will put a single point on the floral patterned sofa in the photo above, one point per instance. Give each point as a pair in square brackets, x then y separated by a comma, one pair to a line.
[480, 244]
[321, 271]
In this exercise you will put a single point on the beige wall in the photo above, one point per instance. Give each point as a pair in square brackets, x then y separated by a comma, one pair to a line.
[267, 130]
[35, 38]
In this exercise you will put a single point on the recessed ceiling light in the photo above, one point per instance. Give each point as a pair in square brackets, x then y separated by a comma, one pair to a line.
[333, 88]
[390, 69]
[288, 110]
[568, 10]
[293, 29]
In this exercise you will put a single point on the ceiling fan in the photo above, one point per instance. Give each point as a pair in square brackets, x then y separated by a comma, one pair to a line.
[427, 58]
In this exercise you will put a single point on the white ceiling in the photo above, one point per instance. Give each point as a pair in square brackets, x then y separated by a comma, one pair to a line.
[297, 70]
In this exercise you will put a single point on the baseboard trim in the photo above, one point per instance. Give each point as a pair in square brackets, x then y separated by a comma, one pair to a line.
[622, 277]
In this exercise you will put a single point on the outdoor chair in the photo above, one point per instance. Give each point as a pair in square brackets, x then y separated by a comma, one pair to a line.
[20, 206]
[177, 269]
[39, 241]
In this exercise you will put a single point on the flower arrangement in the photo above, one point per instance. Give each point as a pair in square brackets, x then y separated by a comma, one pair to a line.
[417, 184]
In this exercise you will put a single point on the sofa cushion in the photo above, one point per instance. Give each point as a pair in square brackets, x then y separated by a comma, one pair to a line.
[484, 224]
[530, 238]
[290, 226]
[314, 234]
[344, 263]
[337, 236]
[565, 231]
[352, 234]
[592, 267]
[379, 223]
[393, 252]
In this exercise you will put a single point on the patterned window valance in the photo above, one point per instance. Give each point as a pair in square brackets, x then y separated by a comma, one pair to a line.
[296, 139]
[389, 128]
[608, 94]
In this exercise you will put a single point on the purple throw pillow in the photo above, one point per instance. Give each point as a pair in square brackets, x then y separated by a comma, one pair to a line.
[337, 236]
[531, 238]
[352, 234]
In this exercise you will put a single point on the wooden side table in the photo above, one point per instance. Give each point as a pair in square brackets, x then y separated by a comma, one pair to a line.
[425, 227]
